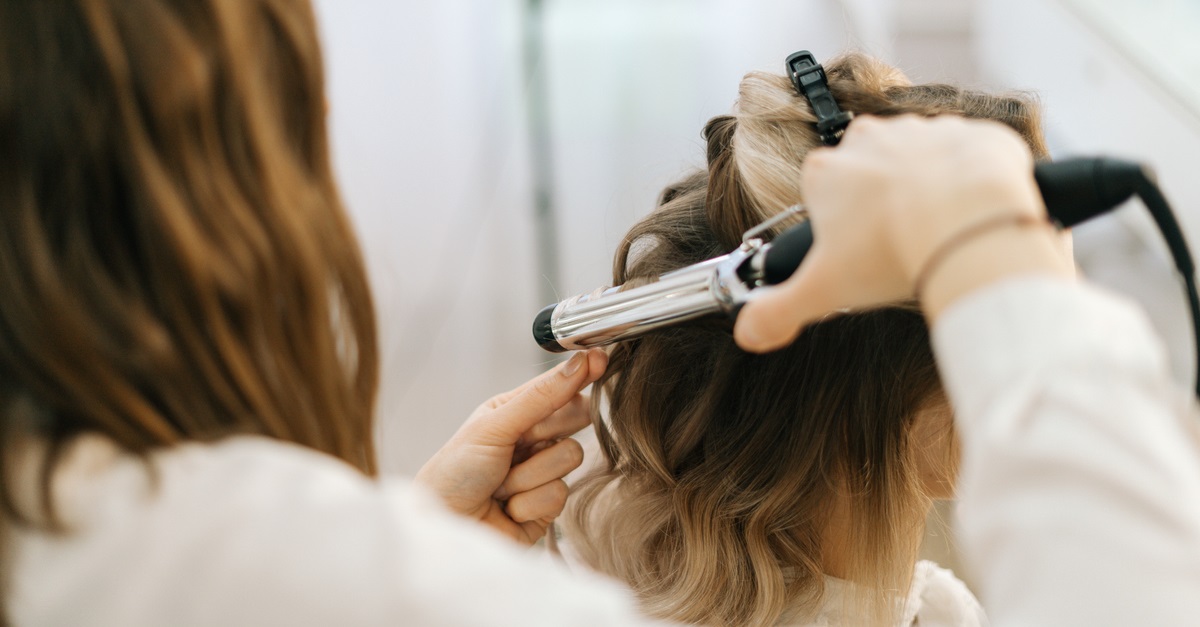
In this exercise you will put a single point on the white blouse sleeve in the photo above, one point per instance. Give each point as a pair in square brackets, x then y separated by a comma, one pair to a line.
[255, 532]
[1079, 492]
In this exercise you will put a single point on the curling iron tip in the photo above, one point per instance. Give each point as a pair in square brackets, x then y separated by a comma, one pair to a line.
[543, 331]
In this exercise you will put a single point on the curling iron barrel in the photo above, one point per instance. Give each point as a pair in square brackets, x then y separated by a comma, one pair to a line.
[1074, 190]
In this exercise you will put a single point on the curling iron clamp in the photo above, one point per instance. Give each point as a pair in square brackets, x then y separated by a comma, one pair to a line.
[1074, 190]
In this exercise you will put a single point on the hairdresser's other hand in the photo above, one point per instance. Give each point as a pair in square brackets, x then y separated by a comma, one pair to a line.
[506, 464]
[882, 202]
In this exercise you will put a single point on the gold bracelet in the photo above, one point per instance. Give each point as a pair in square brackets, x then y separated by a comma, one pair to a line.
[965, 236]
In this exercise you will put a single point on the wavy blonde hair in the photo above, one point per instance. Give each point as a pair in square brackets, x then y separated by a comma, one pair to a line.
[725, 474]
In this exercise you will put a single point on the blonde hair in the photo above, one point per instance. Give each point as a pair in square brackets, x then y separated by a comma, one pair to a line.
[722, 469]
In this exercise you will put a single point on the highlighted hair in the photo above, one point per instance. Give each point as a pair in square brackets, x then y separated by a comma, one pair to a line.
[723, 472]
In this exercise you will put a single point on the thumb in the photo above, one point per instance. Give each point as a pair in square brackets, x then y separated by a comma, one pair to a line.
[774, 316]
[538, 399]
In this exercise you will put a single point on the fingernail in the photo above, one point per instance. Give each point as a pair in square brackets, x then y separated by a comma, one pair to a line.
[747, 337]
[573, 364]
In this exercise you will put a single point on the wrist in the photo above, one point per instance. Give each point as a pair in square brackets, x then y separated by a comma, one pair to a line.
[931, 223]
[990, 257]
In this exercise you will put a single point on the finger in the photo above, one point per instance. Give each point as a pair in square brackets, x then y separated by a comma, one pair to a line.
[535, 529]
[774, 317]
[575, 415]
[526, 533]
[860, 128]
[597, 362]
[548, 465]
[538, 400]
[544, 501]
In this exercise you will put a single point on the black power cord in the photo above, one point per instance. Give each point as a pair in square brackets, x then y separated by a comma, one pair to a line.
[1164, 218]
[1076, 190]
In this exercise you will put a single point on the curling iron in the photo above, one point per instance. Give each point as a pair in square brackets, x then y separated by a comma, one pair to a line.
[1074, 190]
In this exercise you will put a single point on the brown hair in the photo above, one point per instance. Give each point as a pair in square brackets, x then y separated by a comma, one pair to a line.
[175, 262]
[724, 471]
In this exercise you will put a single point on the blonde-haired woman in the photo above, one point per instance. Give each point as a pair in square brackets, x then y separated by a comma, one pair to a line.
[791, 487]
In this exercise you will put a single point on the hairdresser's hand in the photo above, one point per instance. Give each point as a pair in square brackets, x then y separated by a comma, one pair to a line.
[505, 466]
[883, 201]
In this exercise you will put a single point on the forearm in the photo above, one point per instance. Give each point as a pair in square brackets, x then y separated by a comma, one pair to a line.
[1080, 485]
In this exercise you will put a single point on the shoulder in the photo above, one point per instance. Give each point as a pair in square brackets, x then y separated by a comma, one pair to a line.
[940, 599]
[247, 530]
[259, 482]
[254, 531]
[247, 527]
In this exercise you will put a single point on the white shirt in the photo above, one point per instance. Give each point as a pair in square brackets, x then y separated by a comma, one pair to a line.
[1079, 505]
[936, 599]
[256, 532]
[1079, 492]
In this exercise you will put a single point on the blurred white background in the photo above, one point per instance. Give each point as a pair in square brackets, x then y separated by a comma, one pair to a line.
[432, 143]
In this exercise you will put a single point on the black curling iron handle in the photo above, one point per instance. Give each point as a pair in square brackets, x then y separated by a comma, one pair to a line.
[1077, 190]
[786, 253]
[1074, 190]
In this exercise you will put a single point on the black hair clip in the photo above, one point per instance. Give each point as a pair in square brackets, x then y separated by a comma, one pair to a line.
[809, 79]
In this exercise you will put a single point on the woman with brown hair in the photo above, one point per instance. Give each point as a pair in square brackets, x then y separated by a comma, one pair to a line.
[790, 487]
[188, 359]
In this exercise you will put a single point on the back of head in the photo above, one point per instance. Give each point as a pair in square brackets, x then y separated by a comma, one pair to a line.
[755, 155]
[174, 258]
[725, 473]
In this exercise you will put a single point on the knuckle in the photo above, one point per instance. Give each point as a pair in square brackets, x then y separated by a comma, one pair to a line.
[518, 510]
[544, 387]
[865, 122]
[817, 159]
[539, 398]
[572, 452]
[536, 435]
[556, 498]
[545, 391]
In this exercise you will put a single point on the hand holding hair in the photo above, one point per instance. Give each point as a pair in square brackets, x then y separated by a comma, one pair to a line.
[505, 465]
[896, 195]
